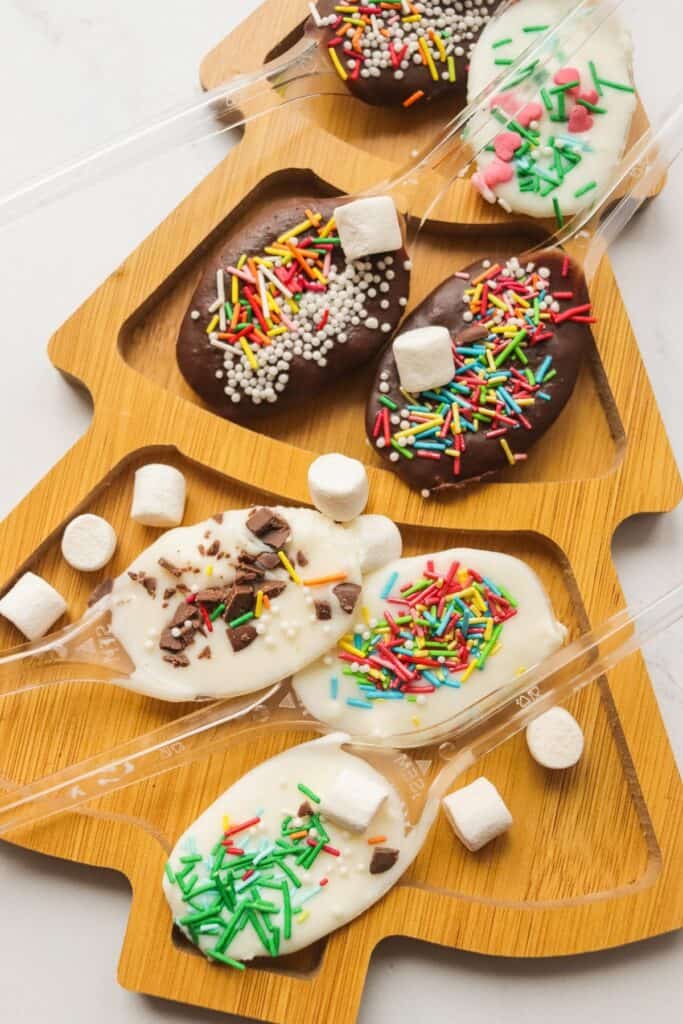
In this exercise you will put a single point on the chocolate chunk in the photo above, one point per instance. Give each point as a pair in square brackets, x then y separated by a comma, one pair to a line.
[212, 595]
[305, 810]
[242, 636]
[239, 602]
[150, 585]
[323, 609]
[347, 595]
[383, 858]
[201, 549]
[271, 528]
[248, 575]
[273, 588]
[170, 567]
[177, 660]
[471, 334]
[218, 517]
[205, 653]
[301, 559]
[100, 591]
[213, 548]
[184, 612]
[168, 593]
[267, 560]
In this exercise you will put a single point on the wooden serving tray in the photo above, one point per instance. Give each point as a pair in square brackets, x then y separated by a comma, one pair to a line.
[593, 859]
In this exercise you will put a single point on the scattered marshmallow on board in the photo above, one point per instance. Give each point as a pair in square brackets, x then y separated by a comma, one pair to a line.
[424, 358]
[555, 739]
[338, 486]
[378, 539]
[477, 813]
[32, 605]
[367, 227]
[88, 543]
[158, 495]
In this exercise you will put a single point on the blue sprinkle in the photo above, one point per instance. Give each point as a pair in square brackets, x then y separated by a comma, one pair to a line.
[389, 586]
[543, 369]
[334, 687]
[453, 683]
[544, 396]
[353, 702]
[433, 679]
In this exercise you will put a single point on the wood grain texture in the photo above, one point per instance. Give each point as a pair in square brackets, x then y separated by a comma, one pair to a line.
[594, 858]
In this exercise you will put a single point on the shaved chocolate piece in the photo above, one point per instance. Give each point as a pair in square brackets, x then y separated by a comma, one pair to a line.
[267, 560]
[218, 517]
[100, 591]
[205, 652]
[168, 593]
[347, 595]
[323, 609]
[212, 595]
[199, 361]
[240, 601]
[150, 585]
[184, 613]
[471, 334]
[168, 642]
[241, 636]
[201, 549]
[213, 548]
[269, 527]
[305, 810]
[260, 521]
[383, 858]
[301, 559]
[177, 660]
[272, 588]
[170, 567]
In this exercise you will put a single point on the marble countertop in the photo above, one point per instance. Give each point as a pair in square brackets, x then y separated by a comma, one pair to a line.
[74, 74]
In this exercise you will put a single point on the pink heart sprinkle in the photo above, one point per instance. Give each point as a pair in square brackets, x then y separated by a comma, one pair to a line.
[565, 75]
[590, 95]
[497, 173]
[580, 120]
[531, 112]
[507, 101]
[506, 145]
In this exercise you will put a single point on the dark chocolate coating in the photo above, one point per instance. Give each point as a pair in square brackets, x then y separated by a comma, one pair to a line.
[484, 456]
[388, 91]
[198, 360]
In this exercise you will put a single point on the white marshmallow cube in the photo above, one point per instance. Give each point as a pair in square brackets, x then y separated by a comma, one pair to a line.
[477, 813]
[158, 495]
[88, 543]
[32, 605]
[378, 540]
[368, 226]
[339, 486]
[354, 800]
[555, 739]
[424, 358]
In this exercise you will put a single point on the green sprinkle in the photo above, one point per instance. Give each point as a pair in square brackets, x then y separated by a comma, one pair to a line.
[390, 404]
[287, 911]
[503, 62]
[215, 955]
[217, 612]
[308, 792]
[616, 85]
[403, 451]
[565, 86]
[594, 75]
[243, 618]
[592, 107]
[169, 873]
[547, 102]
[502, 42]
[535, 28]
[558, 212]
[585, 188]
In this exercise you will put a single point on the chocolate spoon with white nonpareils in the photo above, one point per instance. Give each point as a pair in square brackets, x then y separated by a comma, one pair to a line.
[305, 842]
[220, 608]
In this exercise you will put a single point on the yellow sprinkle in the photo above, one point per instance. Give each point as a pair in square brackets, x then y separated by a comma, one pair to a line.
[407, 394]
[259, 605]
[366, 615]
[303, 916]
[226, 822]
[437, 421]
[412, 17]
[328, 229]
[275, 331]
[451, 69]
[350, 649]
[506, 448]
[437, 40]
[520, 671]
[495, 301]
[416, 721]
[241, 261]
[209, 570]
[339, 67]
[468, 672]
[428, 58]
[488, 630]
[304, 226]
[235, 289]
[289, 567]
[212, 324]
[495, 650]
[491, 361]
[314, 218]
[248, 354]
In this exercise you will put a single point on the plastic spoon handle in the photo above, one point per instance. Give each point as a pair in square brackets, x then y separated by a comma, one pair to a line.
[198, 735]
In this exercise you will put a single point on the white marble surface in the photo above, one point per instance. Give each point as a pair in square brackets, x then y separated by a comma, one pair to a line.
[75, 73]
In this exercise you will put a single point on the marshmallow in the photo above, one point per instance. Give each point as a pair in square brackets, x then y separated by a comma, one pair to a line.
[424, 358]
[378, 540]
[88, 543]
[158, 495]
[354, 800]
[338, 486]
[477, 813]
[555, 739]
[368, 226]
[32, 605]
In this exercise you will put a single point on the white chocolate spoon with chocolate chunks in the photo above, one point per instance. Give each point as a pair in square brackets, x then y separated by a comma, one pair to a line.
[305, 842]
[305, 292]
[220, 608]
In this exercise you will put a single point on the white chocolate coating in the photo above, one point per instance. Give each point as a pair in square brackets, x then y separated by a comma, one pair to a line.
[527, 638]
[602, 145]
[289, 637]
[271, 789]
